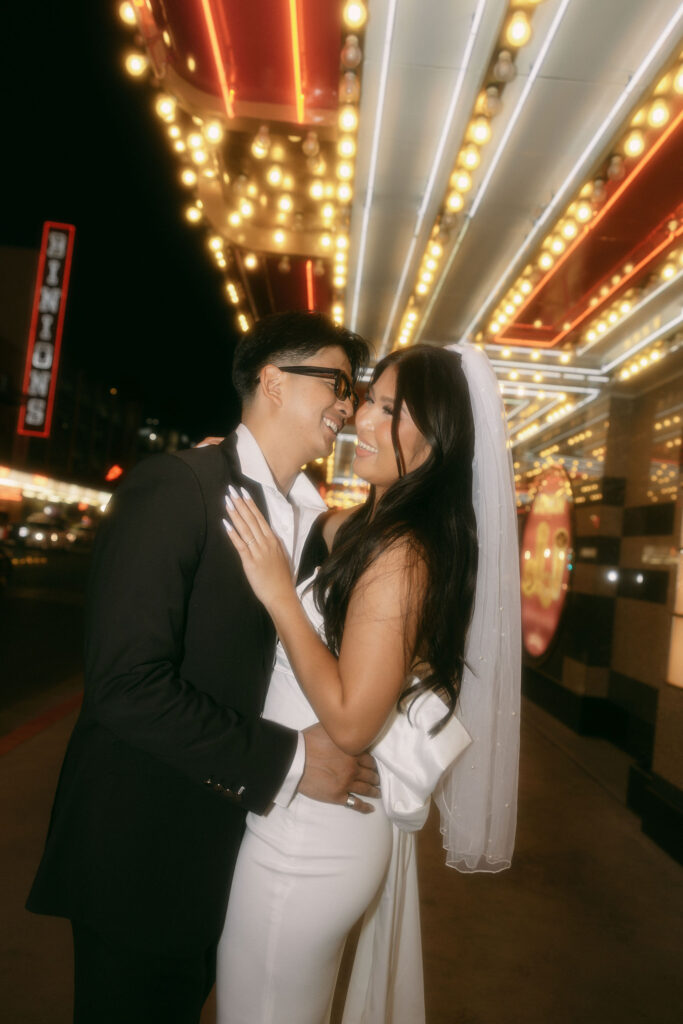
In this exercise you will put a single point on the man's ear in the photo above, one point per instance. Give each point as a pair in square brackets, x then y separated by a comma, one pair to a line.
[270, 383]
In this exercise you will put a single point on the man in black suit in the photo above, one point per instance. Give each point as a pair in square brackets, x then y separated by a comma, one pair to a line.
[169, 751]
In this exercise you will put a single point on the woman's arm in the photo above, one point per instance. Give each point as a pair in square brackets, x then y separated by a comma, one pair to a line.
[351, 696]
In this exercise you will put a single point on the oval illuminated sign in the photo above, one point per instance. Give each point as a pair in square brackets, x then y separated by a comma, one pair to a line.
[546, 560]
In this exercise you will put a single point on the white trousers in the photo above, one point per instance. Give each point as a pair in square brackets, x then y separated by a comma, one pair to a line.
[304, 876]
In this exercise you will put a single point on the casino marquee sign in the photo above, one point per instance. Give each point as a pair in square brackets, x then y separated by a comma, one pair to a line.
[45, 333]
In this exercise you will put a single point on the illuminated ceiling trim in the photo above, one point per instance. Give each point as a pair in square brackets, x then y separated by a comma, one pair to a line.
[296, 59]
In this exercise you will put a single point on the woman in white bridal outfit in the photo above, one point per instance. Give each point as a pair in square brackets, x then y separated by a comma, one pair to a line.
[408, 643]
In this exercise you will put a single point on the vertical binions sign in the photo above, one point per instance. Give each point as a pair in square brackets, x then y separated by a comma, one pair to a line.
[45, 334]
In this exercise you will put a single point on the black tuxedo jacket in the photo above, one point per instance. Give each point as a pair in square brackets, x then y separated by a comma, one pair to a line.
[169, 750]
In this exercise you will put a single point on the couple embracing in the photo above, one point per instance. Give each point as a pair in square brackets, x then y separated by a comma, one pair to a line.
[251, 657]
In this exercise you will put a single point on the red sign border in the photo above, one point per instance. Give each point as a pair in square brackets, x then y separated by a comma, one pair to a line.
[71, 231]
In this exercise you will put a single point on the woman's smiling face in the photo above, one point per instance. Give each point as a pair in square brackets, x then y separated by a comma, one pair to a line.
[375, 460]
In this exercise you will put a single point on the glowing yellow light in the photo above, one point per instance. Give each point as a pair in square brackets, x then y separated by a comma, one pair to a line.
[251, 261]
[213, 132]
[461, 180]
[625, 306]
[179, 146]
[426, 277]
[422, 288]
[279, 237]
[200, 156]
[327, 211]
[545, 261]
[127, 14]
[285, 203]
[535, 355]
[494, 327]
[348, 119]
[188, 177]
[326, 241]
[339, 282]
[569, 229]
[556, 245]
[246, 208]
[525, 286]
[346, 147]
[565, 357]
[612, 317]
[165, 107]
[355, 14]
[274, 175]
[479, 131]
[431, 264]
[658, 114]
[469, 157]
[215, 243]
[191, 63]
[455, 202]
[341, 242]
[634, 143]
[518, 29]
[344, 170]
[344, 192]
[234, 219]
[136, 64]
[174, 131]
[509, 308]
[317, 190]
[584, 212]
[193, 214]
[678, 80]
[195, 140]
[668, 271]
[243, 322]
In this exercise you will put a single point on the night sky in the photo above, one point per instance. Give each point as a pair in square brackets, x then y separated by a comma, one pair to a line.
[82, 145]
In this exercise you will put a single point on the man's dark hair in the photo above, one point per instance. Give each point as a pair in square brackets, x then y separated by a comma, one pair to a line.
[286, 338]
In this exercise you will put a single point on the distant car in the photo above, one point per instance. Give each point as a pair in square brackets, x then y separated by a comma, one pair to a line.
[44, 532]
[81, 535]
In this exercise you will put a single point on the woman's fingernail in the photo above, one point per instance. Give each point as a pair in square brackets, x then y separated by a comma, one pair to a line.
[234, 493]
[244, 494]
[229, 504]
[227, 526]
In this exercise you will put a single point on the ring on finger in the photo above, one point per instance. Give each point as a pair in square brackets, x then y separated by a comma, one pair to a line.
[350, 800]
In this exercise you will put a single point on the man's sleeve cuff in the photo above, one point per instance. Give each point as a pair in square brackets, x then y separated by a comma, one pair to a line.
[284, 795]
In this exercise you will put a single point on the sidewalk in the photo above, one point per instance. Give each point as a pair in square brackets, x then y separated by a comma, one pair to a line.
[586, 928]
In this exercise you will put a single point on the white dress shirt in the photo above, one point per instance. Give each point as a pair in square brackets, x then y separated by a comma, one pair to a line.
[291, 518]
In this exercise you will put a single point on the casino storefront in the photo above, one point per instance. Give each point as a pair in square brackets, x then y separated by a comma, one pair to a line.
[602, 591]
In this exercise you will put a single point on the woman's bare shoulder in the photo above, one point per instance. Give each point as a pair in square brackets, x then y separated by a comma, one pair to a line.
[333, 520]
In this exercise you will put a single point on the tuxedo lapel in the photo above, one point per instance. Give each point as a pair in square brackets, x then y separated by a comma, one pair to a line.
[233, 474]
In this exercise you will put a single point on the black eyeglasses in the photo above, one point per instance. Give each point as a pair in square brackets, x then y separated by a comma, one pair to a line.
[343, 388]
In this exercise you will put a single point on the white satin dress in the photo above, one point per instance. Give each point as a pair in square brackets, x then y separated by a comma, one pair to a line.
[307, 872]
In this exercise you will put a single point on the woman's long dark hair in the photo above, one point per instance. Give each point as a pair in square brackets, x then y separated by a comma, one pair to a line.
[431, 509]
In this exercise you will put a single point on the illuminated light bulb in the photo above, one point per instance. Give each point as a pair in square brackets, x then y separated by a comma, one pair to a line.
[340, 257]
[317, 190]
[326, 241]
[338, 309]
[165, 107]
[538, 378]
[191, 63]
[136, 64]
[344, 192]
[455, 202]
[234, 219]
[509, 309]
[613, 317]
[251, 261]
[348, 119]
[213, 132]
[658, 114]
[165, 35]
[339, 282]
[506, 353]
[199, 156]
[479, 131]
[194, 140]
[535, 355]
[342, 242]
[127, 14]
[351, 54]
[436, 251]
[678, 80]
[243, 322]
[634, 143]
[494, 327]
[422, 288]
[274, 175]
[427, 277]
[285, 203]
[215, 243]
[344, 170]
[188, 177]
[246, 208]
[601, 327]
[655, 355]
[513, 375]
[556, 245]
[354, 14]
[288, 182]
[261, 144]
[461, 180]
[525, 286]
[518, 29]
[279, 237]
[565, 357]
[179, 146]
[625, 307]
[431, 264]
[668, 271]
[232, 293]
[174, 131]
[193, 214]
[584, 212]
[517, 298]
[346, 147]
[469, 157]
[504, 69]
[545, 261]
[569, 229]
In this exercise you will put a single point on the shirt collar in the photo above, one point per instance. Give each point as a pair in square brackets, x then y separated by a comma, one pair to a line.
[253, 463]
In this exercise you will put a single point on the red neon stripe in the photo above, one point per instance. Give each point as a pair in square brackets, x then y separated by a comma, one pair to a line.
[296, 59]
[71, 232]
[226, 92]
[310, 293]
[37, 725]
[590, 227]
